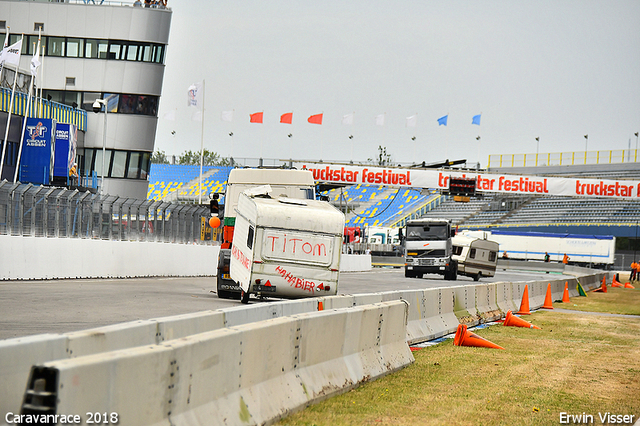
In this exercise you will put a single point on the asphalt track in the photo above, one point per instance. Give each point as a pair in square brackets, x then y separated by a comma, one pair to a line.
[59, 306]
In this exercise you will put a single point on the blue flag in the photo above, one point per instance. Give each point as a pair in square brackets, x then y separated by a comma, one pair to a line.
[476, 119]
[443, 120]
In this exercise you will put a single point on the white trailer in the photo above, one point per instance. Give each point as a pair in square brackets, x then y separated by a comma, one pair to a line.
[476, 257]
[581, 249]
[285, 247]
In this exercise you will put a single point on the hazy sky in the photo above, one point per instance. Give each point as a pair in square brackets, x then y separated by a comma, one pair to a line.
[554, 69]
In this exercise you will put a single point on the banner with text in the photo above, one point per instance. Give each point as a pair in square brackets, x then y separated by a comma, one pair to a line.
[485, 182]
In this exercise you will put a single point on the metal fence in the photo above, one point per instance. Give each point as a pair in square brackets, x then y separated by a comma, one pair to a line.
[41, 211]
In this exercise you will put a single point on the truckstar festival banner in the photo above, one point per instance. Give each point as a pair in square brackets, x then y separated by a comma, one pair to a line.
[485, 182]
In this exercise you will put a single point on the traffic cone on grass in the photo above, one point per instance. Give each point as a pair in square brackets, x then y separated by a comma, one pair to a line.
[548, 304]
[466, 338]
[565, 295]
[513, 321]
[628, 285]
[615, 282]
[603, 287]
[524, 305]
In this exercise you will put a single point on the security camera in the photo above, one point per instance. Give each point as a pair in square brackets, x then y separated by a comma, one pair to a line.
[97, 107]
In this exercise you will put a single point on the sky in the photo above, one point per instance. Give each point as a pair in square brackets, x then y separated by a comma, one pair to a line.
[553, 69]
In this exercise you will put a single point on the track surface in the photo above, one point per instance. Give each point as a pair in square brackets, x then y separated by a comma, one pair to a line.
[59, 306]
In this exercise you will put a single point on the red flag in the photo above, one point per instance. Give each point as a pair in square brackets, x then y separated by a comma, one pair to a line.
[256, 117]
[286, 118]
[315, 119]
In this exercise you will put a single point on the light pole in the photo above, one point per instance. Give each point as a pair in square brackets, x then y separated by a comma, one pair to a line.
[537, 149]
[97, 107]
[636, 156]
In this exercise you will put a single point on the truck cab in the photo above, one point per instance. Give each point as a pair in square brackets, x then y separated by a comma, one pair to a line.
[428, 248]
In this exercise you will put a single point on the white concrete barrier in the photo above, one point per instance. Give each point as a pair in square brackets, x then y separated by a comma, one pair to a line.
[250, 374]
[355, 262]
[27, 258]
[465, 304]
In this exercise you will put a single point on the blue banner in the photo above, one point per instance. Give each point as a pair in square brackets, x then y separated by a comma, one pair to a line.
[38, 148]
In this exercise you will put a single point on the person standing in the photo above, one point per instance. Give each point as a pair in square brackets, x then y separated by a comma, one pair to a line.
[565, 259]
[634, 271]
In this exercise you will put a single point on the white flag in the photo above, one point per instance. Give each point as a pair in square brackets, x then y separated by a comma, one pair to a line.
[227, 116]
[380, 120]
[171, 115]
[6, 39]
[411, 121]
[11, 54]
[347, 119]
[35, 63]
[194, 94]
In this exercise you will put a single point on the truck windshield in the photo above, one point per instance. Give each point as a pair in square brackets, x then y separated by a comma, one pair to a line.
[426, 232]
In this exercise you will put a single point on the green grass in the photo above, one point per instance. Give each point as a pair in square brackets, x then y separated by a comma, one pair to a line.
[615, 300]
[577, 363]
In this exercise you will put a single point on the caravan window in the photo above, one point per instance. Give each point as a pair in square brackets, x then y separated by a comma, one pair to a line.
[250, 238]
[492, 256]
[472, 253]
[457, 250]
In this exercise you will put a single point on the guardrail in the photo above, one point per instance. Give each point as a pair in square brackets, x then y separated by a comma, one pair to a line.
[164, 353]
[563, 158]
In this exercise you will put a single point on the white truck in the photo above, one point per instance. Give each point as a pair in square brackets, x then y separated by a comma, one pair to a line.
[428, 248]
[475, 257]
[285, 247]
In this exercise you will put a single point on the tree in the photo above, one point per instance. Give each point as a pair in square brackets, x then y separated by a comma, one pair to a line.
[210, 158]
[383, 159]
[159, 157]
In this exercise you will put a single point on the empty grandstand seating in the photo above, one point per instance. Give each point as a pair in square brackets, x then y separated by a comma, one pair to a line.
[165, 179]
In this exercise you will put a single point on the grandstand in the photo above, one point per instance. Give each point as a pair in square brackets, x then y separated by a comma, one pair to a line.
[382, 206]
[181, 182]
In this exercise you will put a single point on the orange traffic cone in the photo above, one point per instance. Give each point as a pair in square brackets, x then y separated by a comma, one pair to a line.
[547, 299]
[603, 287]
[524, 305]
[466, 338]
[513, 321]
[628, 285]
[565, 295]
[615, 282]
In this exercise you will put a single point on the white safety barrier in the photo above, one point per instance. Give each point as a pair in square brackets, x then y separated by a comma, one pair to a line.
[54, 256]
[431, 315]
[249, 374]
[355, 262]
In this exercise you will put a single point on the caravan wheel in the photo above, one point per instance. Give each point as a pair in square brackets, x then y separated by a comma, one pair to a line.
[244, 298]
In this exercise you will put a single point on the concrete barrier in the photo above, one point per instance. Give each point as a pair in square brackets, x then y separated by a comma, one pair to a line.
[465, 304]
[355, 262]
[250, 374]
[53, 254]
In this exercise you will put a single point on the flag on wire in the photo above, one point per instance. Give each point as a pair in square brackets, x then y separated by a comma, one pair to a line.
[286, 118]
[227, 115]
[476, 119]
[11, 54]
[380, 120]
[442, 121]
[315, 119]
[195, 95]
[412, 121]
[347, 119]
[256, 117]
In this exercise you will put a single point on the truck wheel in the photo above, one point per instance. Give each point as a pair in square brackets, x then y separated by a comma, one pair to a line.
[244, 298]
[408, 274]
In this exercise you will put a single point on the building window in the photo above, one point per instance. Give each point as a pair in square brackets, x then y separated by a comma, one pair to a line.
[75, 48]
[118, 164]
[38, 26]
[55, 46]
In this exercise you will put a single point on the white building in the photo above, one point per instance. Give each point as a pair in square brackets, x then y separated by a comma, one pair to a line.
[100, 50]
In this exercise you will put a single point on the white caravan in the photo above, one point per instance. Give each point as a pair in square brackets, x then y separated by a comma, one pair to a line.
[285, 247]
[476, 257]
